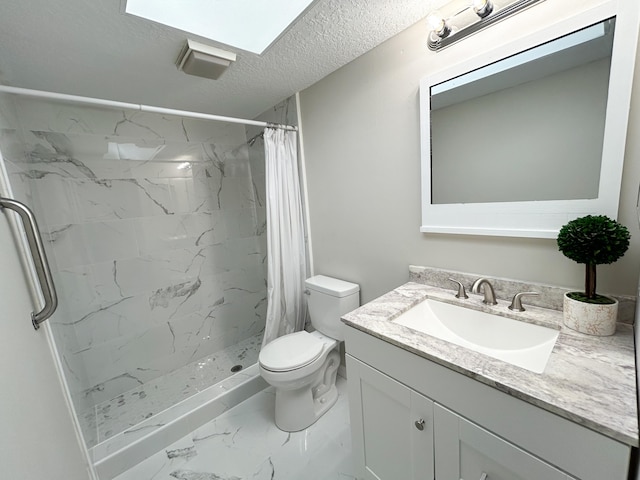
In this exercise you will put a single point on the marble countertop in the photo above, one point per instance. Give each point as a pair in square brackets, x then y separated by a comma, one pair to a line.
[588, 380]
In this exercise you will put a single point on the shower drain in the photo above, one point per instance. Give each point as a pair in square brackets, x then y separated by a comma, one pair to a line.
[236, 368]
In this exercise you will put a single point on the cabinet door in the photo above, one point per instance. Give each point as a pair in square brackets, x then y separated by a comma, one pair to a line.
[392, 426]
[465, 451]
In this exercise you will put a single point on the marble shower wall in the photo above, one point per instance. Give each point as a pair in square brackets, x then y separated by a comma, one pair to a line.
[13, 152]
[15, 159]
[156, 229]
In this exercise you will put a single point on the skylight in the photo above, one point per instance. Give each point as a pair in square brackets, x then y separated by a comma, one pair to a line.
[250, 25]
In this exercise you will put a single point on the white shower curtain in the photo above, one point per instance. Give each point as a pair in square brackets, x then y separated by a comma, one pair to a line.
[286, 256]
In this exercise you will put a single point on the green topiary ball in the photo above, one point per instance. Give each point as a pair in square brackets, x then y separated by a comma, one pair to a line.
[594, 240]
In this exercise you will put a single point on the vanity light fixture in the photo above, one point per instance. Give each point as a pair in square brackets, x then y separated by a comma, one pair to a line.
[459, 19]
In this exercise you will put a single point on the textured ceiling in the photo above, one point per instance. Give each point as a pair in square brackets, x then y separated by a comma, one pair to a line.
[91, 48]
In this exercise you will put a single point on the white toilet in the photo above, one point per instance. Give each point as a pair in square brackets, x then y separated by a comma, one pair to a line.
[302, 366]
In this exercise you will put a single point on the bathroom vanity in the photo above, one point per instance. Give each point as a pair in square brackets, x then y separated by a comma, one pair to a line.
[424, 408]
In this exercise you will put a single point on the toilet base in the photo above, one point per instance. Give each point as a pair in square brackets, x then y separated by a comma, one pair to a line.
[300, 408]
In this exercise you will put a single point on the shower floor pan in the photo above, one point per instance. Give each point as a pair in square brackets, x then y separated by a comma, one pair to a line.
[133, 426]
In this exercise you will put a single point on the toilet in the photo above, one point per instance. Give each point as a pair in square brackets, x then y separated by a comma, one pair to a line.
[302, 366]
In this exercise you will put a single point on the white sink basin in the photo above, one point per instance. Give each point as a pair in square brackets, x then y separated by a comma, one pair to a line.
[519, 343]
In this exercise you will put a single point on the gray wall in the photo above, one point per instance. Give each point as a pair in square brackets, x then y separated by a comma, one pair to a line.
[362, 149]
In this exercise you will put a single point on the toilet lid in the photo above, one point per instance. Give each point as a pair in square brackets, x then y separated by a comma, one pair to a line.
[290, 352]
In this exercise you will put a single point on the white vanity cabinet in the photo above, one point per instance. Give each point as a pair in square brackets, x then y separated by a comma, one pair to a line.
[471, 431]
[393, 425]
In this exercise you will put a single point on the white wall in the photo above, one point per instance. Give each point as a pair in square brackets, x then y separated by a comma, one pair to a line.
[362, 148]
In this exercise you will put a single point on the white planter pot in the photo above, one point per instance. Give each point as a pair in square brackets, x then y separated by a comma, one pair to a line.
[590, 318]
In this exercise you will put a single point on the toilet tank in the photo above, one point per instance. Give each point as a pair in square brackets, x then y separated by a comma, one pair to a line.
[328, 299]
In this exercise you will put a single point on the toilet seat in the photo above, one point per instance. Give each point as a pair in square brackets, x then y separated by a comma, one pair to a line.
[291, 352]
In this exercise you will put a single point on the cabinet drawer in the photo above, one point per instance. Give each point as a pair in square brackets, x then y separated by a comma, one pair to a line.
[465, 451]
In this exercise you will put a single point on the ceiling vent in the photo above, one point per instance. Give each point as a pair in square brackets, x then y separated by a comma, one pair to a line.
[203, 60]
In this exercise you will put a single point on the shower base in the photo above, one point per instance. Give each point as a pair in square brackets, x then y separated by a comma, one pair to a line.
[140, 422]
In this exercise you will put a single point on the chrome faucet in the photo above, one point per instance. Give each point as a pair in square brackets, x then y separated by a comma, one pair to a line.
[461, 291]
[516, 303]
[489, 295]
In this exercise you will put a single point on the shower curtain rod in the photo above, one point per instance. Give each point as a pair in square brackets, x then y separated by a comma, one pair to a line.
[135, 106]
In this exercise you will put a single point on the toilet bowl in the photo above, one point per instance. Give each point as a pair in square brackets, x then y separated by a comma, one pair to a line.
[304, 381]
[302, 366]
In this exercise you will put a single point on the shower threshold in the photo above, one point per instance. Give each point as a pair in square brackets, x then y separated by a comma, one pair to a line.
[133, 426]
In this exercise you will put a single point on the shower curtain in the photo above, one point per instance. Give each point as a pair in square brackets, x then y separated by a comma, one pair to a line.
[286, 256]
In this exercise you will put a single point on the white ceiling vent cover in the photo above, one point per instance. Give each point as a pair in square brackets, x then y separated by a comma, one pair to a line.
[203, 60]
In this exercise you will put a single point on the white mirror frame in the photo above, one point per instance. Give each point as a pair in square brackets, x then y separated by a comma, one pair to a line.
[541, 219]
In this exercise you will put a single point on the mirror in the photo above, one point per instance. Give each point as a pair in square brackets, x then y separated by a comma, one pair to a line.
[521, 145]
[537, 117]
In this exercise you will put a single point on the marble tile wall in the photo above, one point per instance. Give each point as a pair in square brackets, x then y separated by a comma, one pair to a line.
[155, 227]
[15, 160]
[13, 152]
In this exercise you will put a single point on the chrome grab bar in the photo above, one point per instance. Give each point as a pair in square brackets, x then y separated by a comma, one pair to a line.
[39, 259]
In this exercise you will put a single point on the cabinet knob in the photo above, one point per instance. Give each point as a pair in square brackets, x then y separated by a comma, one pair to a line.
[419, 424]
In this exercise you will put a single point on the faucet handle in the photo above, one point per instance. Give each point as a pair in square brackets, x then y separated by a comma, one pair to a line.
[516, 303]
[461, 291]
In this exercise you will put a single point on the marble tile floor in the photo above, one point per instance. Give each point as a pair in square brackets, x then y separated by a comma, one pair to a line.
[136, 405]
[244, 443]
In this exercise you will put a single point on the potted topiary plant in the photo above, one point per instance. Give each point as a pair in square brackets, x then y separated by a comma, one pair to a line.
[592, 240]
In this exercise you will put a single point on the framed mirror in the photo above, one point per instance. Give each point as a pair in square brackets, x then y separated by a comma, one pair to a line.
[518, 141]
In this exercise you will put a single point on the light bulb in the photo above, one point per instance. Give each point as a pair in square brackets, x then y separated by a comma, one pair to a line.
[482, 7]
[438, 25]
